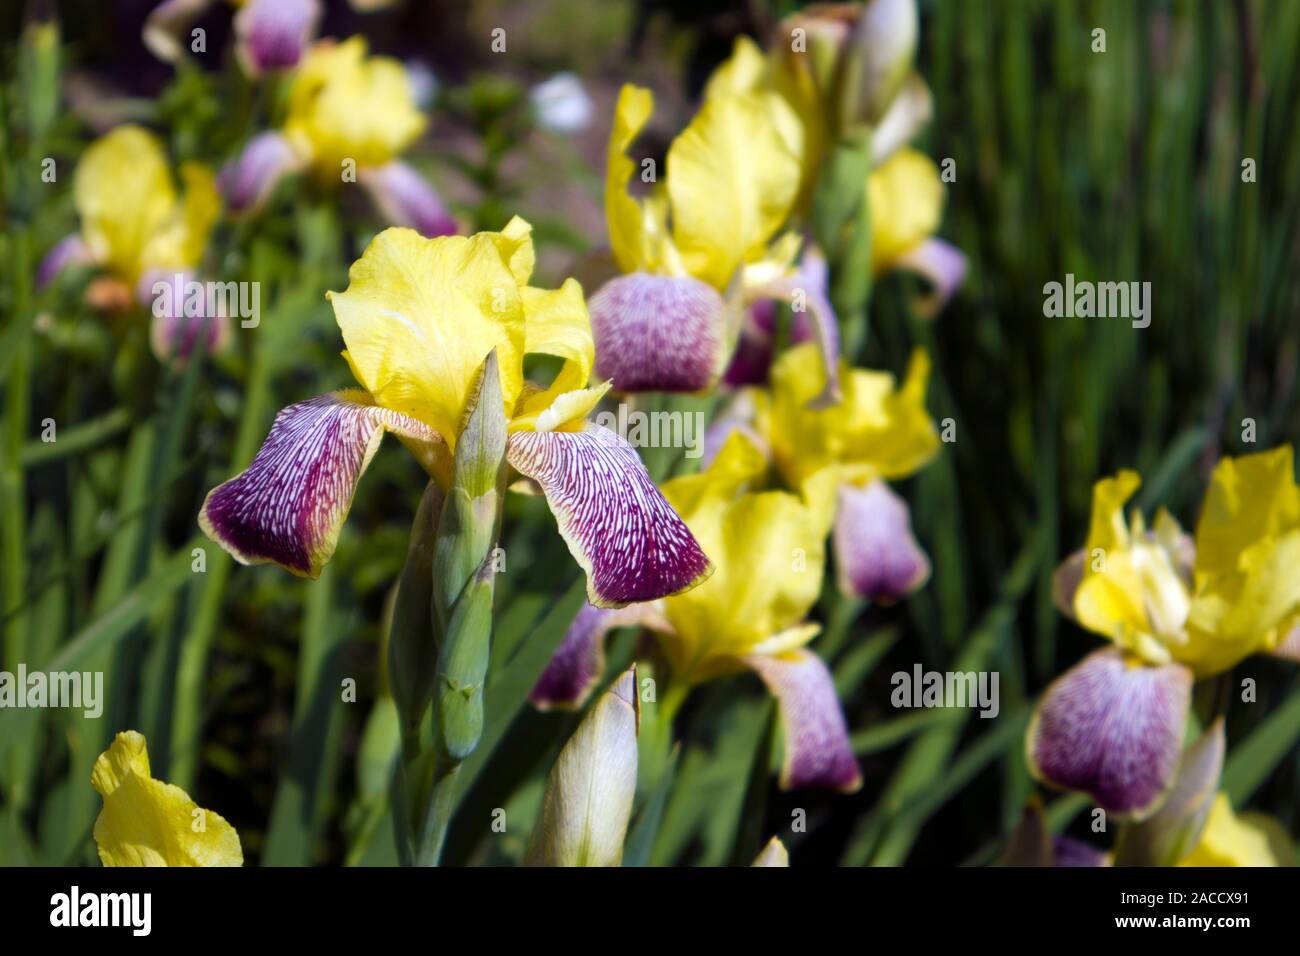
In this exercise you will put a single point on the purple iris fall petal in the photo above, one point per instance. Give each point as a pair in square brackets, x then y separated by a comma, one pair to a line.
[1112, 727]
[247, 180]
[579, 661]
[817, 750]
[272, 34]
[70, 250]
[288, 506]
[876, 554]
[943, 265]
[617, 524]
[405, 198]
[657, 333]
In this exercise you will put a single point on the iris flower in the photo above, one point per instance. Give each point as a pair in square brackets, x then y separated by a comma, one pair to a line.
[146, 822]
[419, 317]
[750, 615]
[347, 112]
[704, 245]
[1175, 610]
[841, 460]
[269, 34]
[139, 229]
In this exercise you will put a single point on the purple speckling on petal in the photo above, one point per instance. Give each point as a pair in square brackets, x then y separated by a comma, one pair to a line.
[1113, 729]
[619, 528]
[657, 333]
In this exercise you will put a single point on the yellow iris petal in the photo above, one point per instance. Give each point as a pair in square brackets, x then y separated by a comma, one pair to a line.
[749, 70]
[733, 178]
[125, 196]
[181, 241]
[624, 216]
[420, 315]
[880, 430]
[906, 197]
[146, 822]
[1232, 840]
[345, 105]
[1249, 498]
[767, 547]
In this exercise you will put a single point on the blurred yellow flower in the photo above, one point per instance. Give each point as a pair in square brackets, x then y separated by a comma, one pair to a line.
[906, 197]
[880, 430]
[133, 220]
[146, 822]
[1208, 605]
[1230, 839]
[346, 105]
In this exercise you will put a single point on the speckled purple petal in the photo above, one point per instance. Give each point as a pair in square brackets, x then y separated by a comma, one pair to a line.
[943, 265]
[876, 554]
[405, 198]
[658, 333]
[579, 661]
[289, 505]
[246, 182]
[806, 291]
[272, 34]
[817, 750]
[1113, 729]
[70, 250]
[617, 524]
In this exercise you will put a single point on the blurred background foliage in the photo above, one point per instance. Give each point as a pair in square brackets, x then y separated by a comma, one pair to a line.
[1122, 165]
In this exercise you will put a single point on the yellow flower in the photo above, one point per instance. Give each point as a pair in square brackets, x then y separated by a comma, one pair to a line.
[732, 179]
[419, 315]
[768, 547]
[1250, 839]
[880, 430]
[146, 822]
[132, 218]
[420, 319]
[1205, 606]
[345, 105]
[906, 197]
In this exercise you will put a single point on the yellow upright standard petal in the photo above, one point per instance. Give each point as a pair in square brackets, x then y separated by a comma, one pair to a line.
[146, 822]
[906, 197]
[733, 178]
[125, 196]
[420, 315]
[880, 429]
[624, 216]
